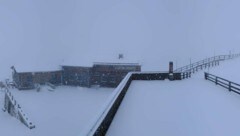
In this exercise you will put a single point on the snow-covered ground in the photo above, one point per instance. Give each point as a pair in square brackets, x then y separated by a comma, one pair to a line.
[41, 35]
[64, 112]
[192, 107]
[228, 70]
[189, 107]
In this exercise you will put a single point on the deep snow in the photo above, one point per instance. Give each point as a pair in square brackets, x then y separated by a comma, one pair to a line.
[192, 107]
[41, 35]
[64, 112]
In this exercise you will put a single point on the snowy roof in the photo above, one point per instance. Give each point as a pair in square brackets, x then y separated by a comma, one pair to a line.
[91, 62]
[36, 68]
[76, 66]
[107, 63]
[89, 59]
[51, 67]
[77, 63]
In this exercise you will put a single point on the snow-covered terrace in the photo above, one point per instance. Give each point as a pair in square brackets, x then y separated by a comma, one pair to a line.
[180, 108]
[64, 112]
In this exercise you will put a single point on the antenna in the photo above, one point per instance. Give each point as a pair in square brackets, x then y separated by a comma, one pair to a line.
[120, 56]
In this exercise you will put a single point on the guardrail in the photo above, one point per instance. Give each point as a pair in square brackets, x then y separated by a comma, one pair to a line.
[100, 125]
[231, 86]
[213, 61]
[160, 76]
[185, 75]
[14, 109]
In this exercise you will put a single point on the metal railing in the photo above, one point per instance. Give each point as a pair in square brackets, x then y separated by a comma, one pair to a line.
[231, 86]
[205, 63]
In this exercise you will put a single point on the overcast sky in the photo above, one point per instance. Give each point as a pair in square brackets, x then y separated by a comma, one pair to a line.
[148, 31]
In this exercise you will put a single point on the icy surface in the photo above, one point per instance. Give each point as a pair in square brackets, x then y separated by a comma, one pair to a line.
[193, 107]
[64, 112]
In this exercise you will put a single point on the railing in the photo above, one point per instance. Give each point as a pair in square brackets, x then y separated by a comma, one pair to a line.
[100, 125]
[14, 109]
[205, 63]
[231, 86]
[185, 75]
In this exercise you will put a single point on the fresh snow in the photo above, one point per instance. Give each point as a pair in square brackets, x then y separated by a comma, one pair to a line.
[192, 107]
[228, 70]
[36, 68]
[42, 35]
[63, 112]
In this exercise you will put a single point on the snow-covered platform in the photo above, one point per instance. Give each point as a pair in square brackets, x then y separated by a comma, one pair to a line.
[193, 107]
[64, 112]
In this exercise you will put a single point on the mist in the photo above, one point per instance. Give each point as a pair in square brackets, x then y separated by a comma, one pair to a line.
[150, 32]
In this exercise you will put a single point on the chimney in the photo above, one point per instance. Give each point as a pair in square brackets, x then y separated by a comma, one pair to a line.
[170, 67]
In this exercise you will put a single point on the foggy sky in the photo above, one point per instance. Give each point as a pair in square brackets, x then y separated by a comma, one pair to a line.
[147, 31]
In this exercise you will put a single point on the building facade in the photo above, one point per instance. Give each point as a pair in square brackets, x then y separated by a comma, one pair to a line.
[111, 74]
[29, 80]
[101, 74]
[76, 76]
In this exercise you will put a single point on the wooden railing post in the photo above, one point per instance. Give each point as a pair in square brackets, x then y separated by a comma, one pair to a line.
[230, 87]
[206, 76]
[216, 80]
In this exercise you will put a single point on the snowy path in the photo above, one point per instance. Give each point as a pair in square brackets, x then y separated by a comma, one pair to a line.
[64, 112]
[193, 107]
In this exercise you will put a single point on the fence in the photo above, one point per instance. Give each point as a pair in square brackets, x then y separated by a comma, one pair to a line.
[160, 76]
[14, 109]
[231, 86]
[213, 61]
